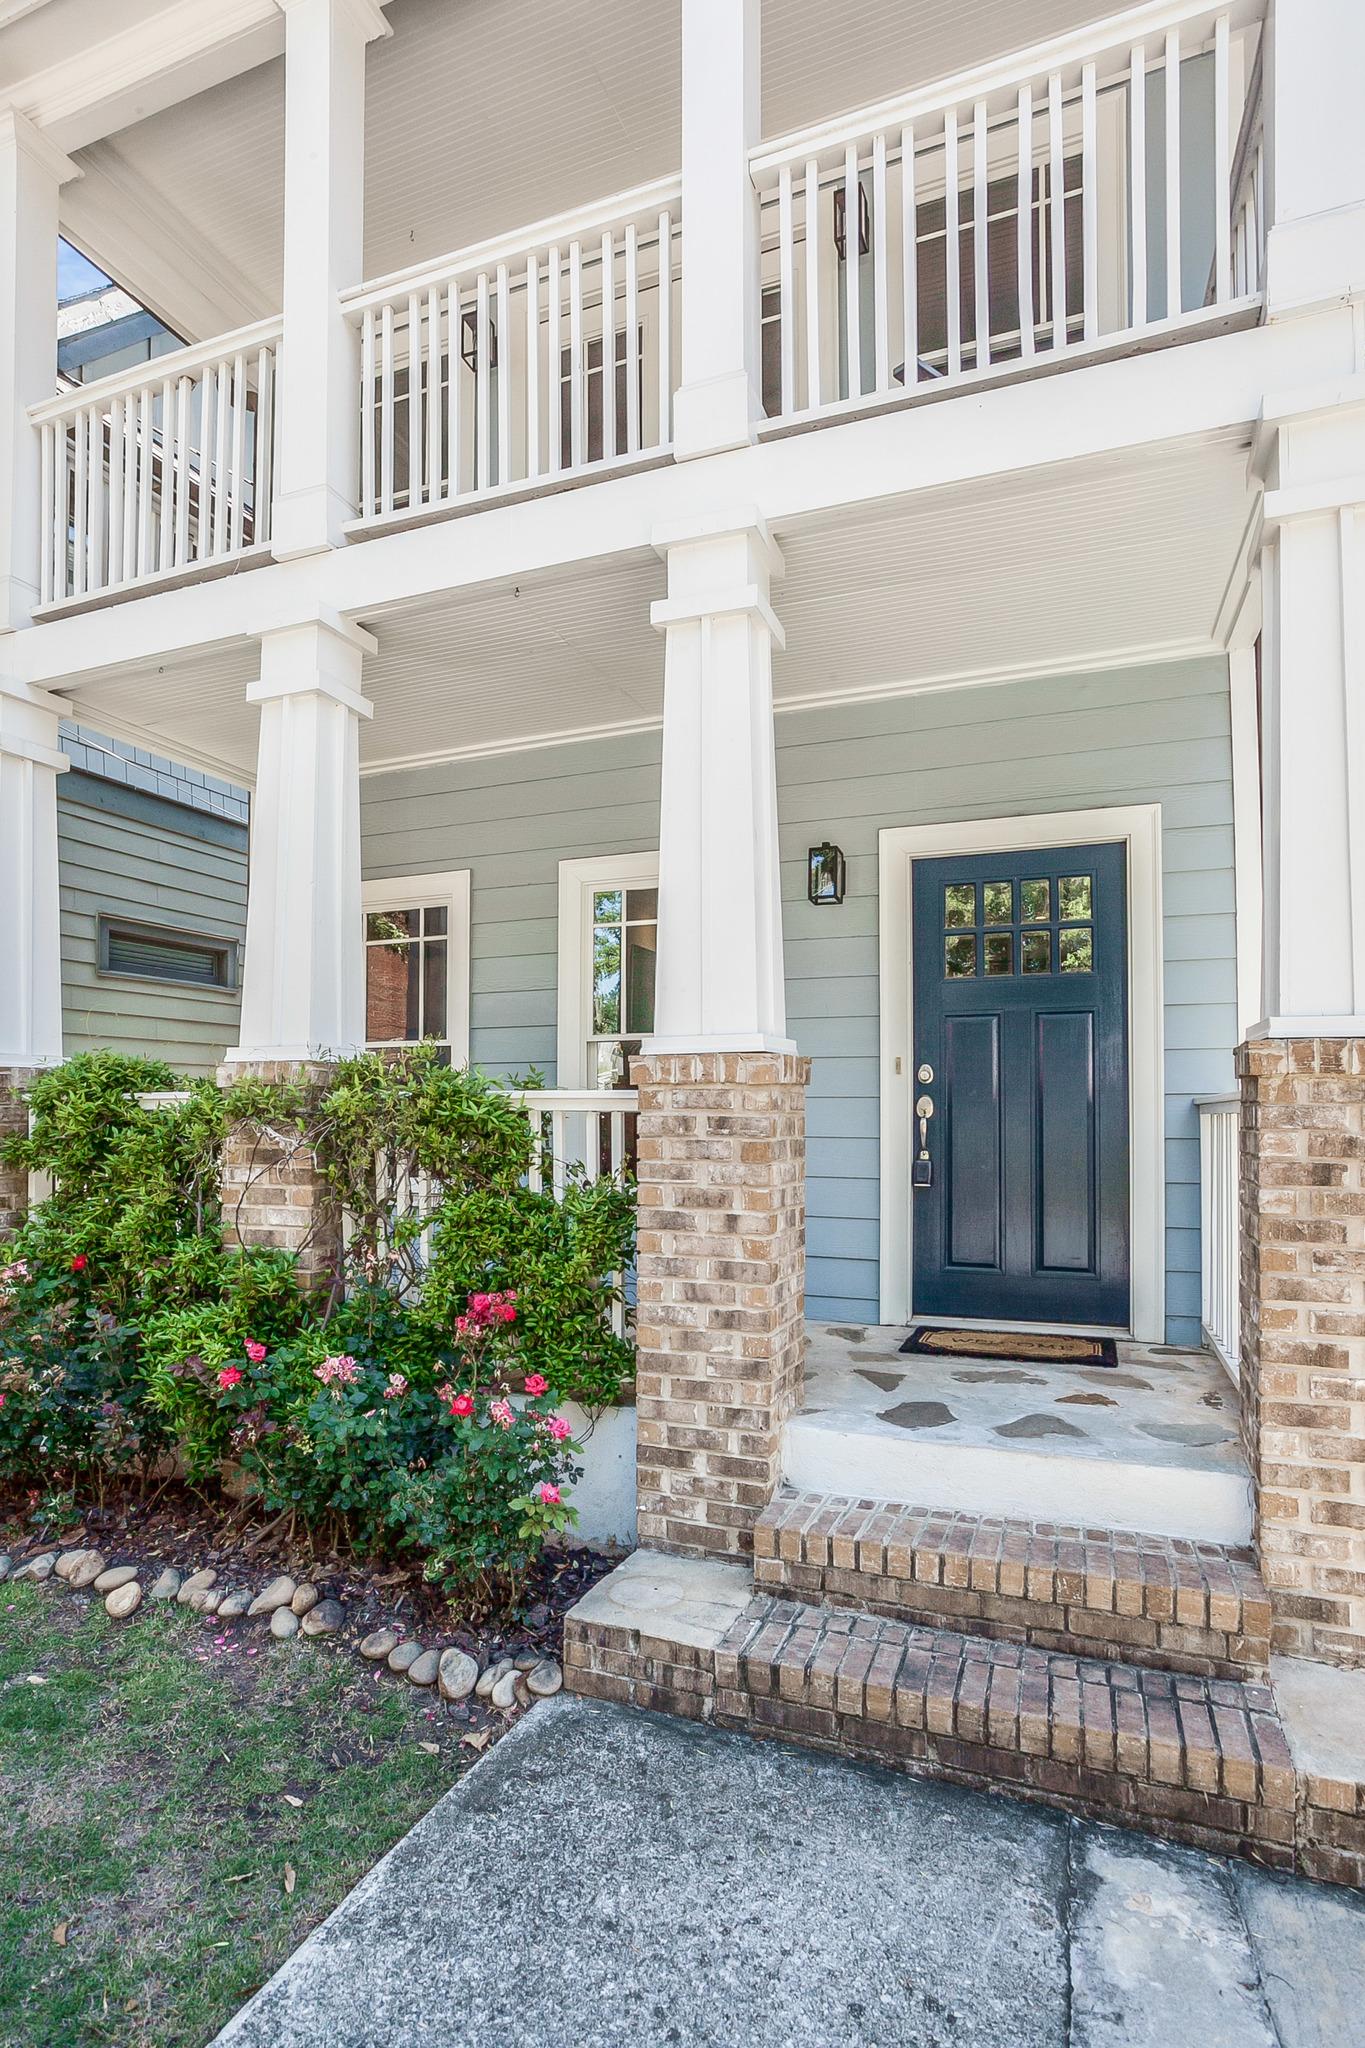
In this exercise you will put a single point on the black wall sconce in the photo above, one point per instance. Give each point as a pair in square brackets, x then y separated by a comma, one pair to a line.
[825, 874]
[841, 225]
[469, 342]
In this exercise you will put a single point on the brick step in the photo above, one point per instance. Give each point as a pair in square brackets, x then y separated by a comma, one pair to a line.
[1166, 1603]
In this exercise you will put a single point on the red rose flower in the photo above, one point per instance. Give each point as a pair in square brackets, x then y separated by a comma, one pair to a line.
[463, 1404]
[229, 1376]
[536, 1384]
[79, 1263]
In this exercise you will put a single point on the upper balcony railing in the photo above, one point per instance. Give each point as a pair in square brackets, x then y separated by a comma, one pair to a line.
[483, 373]
[159, 469]
[1120, 185]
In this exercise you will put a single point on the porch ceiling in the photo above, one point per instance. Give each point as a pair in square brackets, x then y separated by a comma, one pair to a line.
[1100, 563]
[449, 118]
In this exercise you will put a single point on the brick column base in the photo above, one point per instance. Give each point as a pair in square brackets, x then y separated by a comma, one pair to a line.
[13, 1124]
[721, 1291]
[1303, 1335]
[272, 1191]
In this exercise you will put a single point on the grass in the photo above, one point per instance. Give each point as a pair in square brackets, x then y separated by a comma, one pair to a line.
[155, 1793]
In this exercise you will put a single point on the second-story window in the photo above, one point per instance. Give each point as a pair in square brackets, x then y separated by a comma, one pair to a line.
[594, 399]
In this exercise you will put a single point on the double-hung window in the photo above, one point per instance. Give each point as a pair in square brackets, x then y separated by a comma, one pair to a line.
[417, 963]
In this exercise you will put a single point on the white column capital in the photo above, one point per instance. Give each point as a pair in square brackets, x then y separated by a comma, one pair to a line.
[719, 565]
[321, 657]
[367, 16]
[19, 134]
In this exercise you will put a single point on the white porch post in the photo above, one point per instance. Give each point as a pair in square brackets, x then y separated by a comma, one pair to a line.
[720, 973]
[720, 398]
[30, 934]
[31, 174]
[317, 478]
[303, 997]
[1316, 153]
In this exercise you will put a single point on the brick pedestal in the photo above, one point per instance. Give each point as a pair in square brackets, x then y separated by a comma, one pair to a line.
[721, 1290]
[13, 1124]
[1303, 1335]
[272, 1192]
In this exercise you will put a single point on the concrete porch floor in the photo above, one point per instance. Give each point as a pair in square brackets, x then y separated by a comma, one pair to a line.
[1153, 1444]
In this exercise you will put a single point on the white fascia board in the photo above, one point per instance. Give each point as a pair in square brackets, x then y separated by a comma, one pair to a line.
[1199, 390]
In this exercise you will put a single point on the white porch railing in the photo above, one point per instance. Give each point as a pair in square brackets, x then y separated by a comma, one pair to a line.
[1103, 164]
[483, 372]
[159, 469]
[1220, 1227]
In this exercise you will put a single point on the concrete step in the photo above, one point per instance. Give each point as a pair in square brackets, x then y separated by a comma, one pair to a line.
[1163, 1602]
[1196, 1759]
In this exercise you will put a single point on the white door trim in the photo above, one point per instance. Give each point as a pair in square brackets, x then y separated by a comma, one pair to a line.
[1138, 826]
[573, 1015]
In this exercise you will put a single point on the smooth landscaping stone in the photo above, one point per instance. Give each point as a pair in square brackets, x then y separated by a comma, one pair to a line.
[504, 1693]
[204, 1600]
[205, 1576]
[492, 1676]
[1159, 1952]
[6, 1565]
[167, 1586]
[278, 1593]
[423, 1669]
[36, 1569]
[123, 1600]
[457, 1675]
[71, 1561]
[545, 1679]
[234, 1603]
[86, 1573]
[116, 1576]
[284, 1623]
[305, 1596]
[378, 1645]
[404, 1655]
[323, 1620]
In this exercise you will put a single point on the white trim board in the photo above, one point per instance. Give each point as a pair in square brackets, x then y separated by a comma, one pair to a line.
[1138, 827]
[573, 1014]
[452, 891]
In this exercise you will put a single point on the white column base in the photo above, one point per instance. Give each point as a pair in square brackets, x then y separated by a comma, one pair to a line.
[707, 418]
[718, 1041]
[309, 522]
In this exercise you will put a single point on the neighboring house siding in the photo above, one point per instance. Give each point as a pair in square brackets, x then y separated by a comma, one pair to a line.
[129, 854]
[1159, 734]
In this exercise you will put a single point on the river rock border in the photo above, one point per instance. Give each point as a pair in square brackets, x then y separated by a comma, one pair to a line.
[292, 1608]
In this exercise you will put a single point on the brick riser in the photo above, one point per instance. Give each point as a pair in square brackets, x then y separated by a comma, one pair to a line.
[1160, 1602]
[1197, 1760]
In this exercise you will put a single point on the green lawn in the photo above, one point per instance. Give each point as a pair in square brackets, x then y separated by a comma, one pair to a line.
[155, 1793]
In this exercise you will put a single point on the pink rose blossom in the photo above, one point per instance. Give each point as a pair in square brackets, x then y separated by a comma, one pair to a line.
[229, 1376]
[337, 1371]
[549, 1494]
[397, 1385]
[536, 1384]
[254, 1351]
[501, 1413]
[445, 1392]
[559, 1429]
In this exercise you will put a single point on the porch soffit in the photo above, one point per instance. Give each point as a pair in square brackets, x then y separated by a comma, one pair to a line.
[1100, 563]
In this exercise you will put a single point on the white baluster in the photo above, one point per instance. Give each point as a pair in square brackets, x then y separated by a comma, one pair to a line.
[952, 244]
[1090, 208]
[1024, 223]
[786, 288]
[264, 480]
[813, 285]
[881, 339]
[79, 530]
[1173, 291]
[454, 365]
[433, 359]
[414, 402]
[665, 330]
[909, 258]
[116, 491]
[981, 233]
[369, 504]
[238, 472]
[222, 499]
[504, 375]
[167, 538]
[145, 481]
[852, 274]
[386, 408]
[95, 496]
[554, 390]
[1137, 179]
[47, 513]
[181, 472]
[532, 365]
[632, 318]
[577, 442]
[1057, 208]
[608, 346]
[1222, 196]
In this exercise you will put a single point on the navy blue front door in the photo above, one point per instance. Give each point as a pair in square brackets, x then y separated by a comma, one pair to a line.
[1021, 1025]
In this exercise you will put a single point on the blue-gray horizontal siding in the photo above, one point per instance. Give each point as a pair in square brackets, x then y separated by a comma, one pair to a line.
[117, 865]
[1157, 734]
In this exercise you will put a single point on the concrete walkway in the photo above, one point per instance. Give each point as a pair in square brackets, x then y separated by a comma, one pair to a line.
[609, 1877]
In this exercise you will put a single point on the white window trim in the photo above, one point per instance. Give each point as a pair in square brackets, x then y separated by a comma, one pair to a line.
[450, 891]
[577, 881]
[1138, 827]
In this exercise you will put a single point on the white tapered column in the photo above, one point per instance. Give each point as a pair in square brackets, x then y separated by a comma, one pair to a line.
[720, 399]
[30, 930]
[303, 995]
[317, 474]
[720, 975]
[31, 175]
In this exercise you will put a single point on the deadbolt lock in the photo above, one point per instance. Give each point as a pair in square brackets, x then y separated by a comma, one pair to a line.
[925, 1072]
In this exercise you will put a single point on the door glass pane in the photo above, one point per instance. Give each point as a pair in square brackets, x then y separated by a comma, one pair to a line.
[999, 952]
[1076, 950]
[641, 955]
[434, 990]
[1073, 896]
[999, 903]
[959, 907]
[959, 956]
[606, 978]
[1036, 898]
[1036, 948]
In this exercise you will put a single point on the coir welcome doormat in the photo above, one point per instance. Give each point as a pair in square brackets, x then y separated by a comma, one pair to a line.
[1015, 1345]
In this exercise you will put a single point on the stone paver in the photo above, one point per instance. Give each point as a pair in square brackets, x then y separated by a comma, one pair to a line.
[606, 1877]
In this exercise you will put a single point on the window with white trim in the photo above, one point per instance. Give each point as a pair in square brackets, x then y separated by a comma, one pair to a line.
[624, 943]
[417, 963]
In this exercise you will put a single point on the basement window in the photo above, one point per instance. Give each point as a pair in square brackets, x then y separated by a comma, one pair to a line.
[149, 952]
